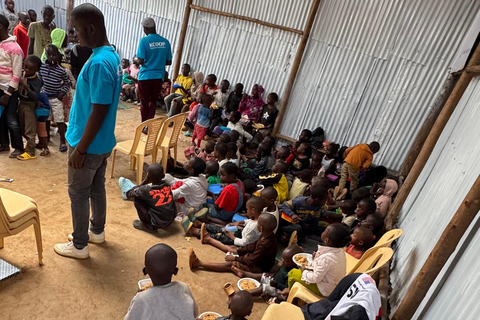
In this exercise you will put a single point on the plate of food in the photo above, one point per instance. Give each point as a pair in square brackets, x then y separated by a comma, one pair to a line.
[247, 284]
[209, 315]
[144, 284]
[303, 259]
[258, 126]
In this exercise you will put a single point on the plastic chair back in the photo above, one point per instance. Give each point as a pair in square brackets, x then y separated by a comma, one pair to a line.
[4, 225]
[154, 126]
[169, 139]
[387, 239]
[372, 262]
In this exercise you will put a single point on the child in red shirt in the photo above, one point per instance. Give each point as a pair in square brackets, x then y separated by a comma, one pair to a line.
[362, 240]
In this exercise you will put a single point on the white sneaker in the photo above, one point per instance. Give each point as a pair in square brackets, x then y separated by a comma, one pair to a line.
[69, 250]
[92, 237]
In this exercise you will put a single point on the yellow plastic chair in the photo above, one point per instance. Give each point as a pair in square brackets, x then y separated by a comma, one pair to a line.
[169, 139]
[140, 146]
[300, 295]
[283, 311]
[370, 263]
[18, 212]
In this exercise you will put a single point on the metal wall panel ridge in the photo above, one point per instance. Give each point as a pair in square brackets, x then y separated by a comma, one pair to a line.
[37, 5]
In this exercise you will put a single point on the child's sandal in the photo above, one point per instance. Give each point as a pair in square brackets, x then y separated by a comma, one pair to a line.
[45, 152]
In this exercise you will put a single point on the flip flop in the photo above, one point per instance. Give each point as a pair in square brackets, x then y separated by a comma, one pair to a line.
[25, 156]
[63, 148]
[186, 224]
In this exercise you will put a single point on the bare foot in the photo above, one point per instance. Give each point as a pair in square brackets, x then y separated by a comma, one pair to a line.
[238, 272]
[193, 260]
[204, 236]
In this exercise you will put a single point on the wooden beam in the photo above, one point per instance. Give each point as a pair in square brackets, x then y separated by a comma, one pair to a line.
[473, 69]
[181, 40]
[239, 17]
[68, 13]
[432, 139]
[296, 65]
[444, 248]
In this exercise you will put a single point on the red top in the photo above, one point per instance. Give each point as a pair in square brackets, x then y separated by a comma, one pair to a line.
[355, 254]
[228, 198]
[22, 38]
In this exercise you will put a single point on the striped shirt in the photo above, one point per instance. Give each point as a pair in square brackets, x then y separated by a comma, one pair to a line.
[55, 80]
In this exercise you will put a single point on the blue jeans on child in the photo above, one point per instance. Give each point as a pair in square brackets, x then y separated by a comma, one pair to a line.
[219, 214]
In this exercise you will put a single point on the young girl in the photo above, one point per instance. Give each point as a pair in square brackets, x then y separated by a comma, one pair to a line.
[388, 187]
[329, 262]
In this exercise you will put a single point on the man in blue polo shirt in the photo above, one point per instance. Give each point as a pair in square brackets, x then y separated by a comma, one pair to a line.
[90, 133]
[154, 53]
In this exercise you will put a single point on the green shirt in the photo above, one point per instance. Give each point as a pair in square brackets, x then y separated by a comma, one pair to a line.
[41, 35]
[214, 180]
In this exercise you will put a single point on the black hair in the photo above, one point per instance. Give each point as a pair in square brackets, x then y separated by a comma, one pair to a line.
[374, 146]
[270, 192]
[198, 166]
[250, 186]
[268, 220]
[226, 81]
[51, 46]
[369, 204]
[266, 148]
[125, 59]
[234, 135]
[225, 138]
[232, 147]
[308, 132]
[155, 172]
[35, 60]
[306, 175]
[360, 193]
[221, 148]
[321, 181]
[319, 192]
[339, 235]
[377, 223]
[283, 166]
[212, 76]
[186, 64]
[256, 202]
[379, 173]
[239, 85]
[366, 235]
[241, 304]
[308, 148]
[349, 205]
[160, 261]
[275, 96]
[212, 167]
[90, 14]
[236, 115]
[48, 7]
[269, 139]
[4, 21]
[31, 10]
[207, 99]
[230, 168]
[71, 31]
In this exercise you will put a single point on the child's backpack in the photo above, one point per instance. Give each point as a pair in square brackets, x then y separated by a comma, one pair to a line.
[318, 136]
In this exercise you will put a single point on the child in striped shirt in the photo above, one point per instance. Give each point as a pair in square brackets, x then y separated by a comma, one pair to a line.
[56, 85]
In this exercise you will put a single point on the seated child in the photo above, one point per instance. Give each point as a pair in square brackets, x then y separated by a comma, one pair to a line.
[388, 187]
[328, 160]
[329, 262]
[256, 257]
[235, 124]
[278, 180]
[162, 300]
[222, 239]
[152, 198]
[220, 153]
[206, 154]
[269, 195]
[305, 136]
[362, 240]
[374, 223]
[300, 184]
[273, 284]
[364, 208]
[300, 211]
[225, 138]
[269, 115]
[348, 208]
[212, 172]
[234, 99]
[316, 163]
[250, 188]
[260, 166]
[127, 83]
[232, 153]
[302, 160]
[282, 153]
[203, 119]
[228, 203]
[240, 304]
[192, 189]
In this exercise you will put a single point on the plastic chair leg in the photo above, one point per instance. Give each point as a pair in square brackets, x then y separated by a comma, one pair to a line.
[113, 161]
[139, 168]
[38, 238]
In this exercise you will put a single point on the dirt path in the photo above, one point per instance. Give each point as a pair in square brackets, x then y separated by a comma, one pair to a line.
[102, 286]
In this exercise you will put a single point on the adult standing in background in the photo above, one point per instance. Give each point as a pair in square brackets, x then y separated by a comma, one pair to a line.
[11, 15]
[21, 32]
[154, 53]
[91, 132]
[39, 32]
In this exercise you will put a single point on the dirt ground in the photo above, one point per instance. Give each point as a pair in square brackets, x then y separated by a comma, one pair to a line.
[100, 287]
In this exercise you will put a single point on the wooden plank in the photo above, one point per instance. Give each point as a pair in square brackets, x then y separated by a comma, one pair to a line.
[181, 41]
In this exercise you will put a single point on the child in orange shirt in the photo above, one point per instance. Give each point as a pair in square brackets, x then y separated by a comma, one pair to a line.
[362, 240]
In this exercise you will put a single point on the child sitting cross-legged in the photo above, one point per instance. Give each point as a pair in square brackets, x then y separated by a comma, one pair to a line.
[232, 155]
[348, 208]
[212, 172]
[220, 153]
[260, 165]
[228, 202]
[222, 239]
[165, 300]
[300, 184]
[256, 257]
[362, 240]
[152, 198]
[269, 196]
[302, 160]
[329, 262]
[278, 180]
[240, 304]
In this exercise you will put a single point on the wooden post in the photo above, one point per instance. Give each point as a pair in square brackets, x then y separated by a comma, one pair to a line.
[438, 257]
[296, 65]
[68, 10]
[432, 139]
[181, 40]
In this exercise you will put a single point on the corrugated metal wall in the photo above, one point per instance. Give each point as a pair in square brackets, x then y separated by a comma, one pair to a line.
[37, 5]
[441, 187]
[373, 69]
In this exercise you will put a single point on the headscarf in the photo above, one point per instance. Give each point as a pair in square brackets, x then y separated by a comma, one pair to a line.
[385, 200]
[58, 36]
[198, 82]
[252, 107]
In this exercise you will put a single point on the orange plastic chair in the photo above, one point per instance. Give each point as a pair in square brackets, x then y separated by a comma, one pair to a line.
[18, 212]
[283, 311]
[370, 263]
[140, 146]
[168, 139]
[300, 295]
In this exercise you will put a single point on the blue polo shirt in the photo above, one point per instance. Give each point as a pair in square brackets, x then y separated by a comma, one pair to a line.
[99, 82]
[155, 50]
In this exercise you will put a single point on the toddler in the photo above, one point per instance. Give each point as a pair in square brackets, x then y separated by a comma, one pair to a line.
[232, 155]
[348, 208]
[388, 188]
[278, 180]
[365, 207]
[375, 223]
[260, 166]
[220, 153]
[362, 240]
[212, 172]
[300, 184]
[240, 304]
[203, 120]
[302, 159]
[235, 124]
[269, 196]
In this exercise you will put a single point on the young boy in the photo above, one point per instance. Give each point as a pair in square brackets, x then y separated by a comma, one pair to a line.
[29, 89]
[235, 124]
[21, 32]
[240, 304]
[234, 98]
[278, 180]
[212, 172]
[232, 155]
[348, 208]
[220, 102]
[193, 189]
[269, 115]
[39, 32]
[220, 153]
[153, 200]
[365, 207]
[56, 84]
[166, 300]
[228, 203]
[374, 223]
[222, 239]
[260, 166]
[181, 86]
[256, 257]
[32, 14]
[42, 113]
[356, 158]
[300, 184]
[269, 196]
[362, 240]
